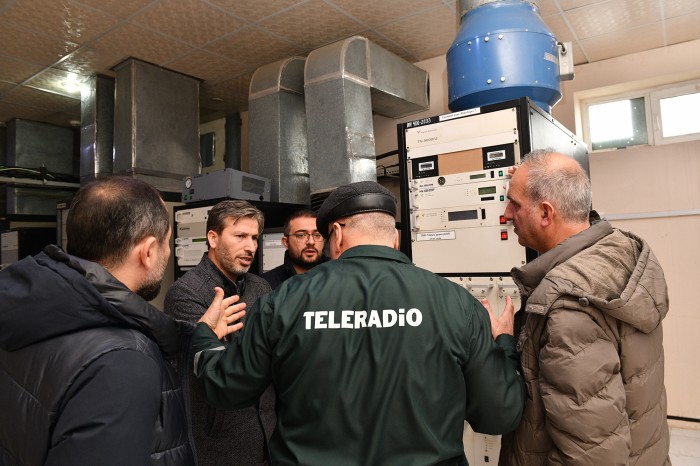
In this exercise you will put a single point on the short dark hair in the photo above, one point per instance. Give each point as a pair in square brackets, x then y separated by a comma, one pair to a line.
[302, 213]
[234, 209]
[109, 216]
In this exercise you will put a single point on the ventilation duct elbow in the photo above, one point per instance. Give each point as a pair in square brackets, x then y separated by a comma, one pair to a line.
[343, 83]
[277, 122]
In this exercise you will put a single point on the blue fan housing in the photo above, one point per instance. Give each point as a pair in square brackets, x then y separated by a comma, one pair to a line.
[503, 51]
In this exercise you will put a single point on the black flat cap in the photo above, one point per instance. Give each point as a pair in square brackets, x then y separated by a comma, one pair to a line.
[354, 198]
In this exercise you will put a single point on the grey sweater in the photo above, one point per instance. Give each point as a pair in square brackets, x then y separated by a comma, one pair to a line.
[222, 436]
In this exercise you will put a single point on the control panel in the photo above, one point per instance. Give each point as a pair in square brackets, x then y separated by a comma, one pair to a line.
[457, 178]
[191, 237]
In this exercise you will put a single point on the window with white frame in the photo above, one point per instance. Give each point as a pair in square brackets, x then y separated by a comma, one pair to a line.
[677, 111]
[653, 116]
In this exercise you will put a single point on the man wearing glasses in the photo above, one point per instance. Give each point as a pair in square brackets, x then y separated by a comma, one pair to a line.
[304, 246]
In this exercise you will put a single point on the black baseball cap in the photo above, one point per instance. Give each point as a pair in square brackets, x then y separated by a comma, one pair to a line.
[352, 199]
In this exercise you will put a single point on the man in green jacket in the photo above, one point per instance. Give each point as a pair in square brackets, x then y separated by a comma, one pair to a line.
[375, 361]
[589, 331]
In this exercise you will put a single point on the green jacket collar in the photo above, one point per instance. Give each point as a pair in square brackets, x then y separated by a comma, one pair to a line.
[376, 252]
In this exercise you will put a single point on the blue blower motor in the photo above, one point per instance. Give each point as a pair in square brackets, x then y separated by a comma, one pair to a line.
[503, 51]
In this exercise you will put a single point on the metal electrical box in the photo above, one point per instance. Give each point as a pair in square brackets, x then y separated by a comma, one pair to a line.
[454, 172]
[454, 183]
[226, 183]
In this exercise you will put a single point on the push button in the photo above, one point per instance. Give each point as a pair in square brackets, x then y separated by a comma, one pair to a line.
[504, 235]
[502, 219]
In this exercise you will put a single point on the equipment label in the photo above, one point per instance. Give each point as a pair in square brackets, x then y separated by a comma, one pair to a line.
[436, 236]
[452, 116]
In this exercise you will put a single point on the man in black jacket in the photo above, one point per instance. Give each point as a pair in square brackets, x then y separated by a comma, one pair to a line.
[234, 436]
[84, 371]
[304, 248]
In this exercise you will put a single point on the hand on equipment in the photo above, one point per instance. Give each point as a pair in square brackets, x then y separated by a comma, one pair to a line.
[503, 324]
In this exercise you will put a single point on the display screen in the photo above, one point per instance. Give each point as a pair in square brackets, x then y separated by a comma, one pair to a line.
[462, 215]
[423, 166]
[477, 176]
[487, 190]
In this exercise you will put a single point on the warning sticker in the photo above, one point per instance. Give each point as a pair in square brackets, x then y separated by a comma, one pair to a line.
[436, 236]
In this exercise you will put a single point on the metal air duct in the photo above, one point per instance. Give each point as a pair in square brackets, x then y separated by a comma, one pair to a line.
[96, 127]
[277, 129]
[156, 124]
[343, 83]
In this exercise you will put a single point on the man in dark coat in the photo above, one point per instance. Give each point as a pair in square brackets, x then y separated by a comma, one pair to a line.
[304, 248]
[225, 436]
[85, 370]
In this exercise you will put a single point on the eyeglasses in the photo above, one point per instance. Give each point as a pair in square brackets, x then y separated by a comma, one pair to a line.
[305, 236]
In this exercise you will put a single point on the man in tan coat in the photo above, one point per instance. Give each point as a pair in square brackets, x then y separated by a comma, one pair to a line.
[589, 332]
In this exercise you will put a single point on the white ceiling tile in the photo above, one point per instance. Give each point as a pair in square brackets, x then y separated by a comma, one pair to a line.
[623, 42]
[188, 20]
[547, 7]
[30, 46]
[559, 28]
[207, 66]
[311, 25]
[16, 71]
[571, 4]
[675, 8]
[86, 61]
[422, 42]
[579, 56]
[374, 13]
[613, 15]
[118, 8]
[683, 28]
[69, 21]
[129, 40]
[254, 10]
[268, 48]
[223, 41]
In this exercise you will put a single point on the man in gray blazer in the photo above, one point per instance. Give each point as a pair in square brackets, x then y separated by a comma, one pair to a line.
[221, 436]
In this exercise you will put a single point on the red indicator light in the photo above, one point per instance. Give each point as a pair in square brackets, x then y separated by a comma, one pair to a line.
[502, 219]
[504, 235]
